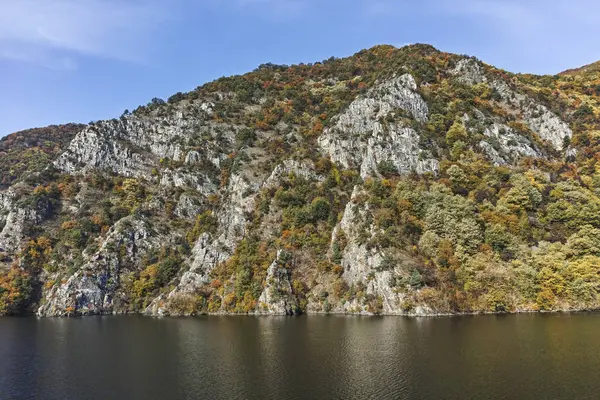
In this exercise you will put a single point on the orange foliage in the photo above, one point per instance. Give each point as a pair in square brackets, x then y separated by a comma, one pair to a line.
[67, 225]
[96, 219]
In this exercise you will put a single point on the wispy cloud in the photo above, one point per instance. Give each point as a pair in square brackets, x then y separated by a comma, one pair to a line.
[52, 33]
[56, 33]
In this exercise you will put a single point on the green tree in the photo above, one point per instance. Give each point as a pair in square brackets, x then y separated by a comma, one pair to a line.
[456, 132]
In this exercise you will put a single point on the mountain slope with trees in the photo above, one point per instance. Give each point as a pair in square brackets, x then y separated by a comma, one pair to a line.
[395, 181]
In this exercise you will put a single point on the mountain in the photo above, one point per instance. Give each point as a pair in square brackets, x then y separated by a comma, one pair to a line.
[395, 181]
[31, 151]
[590, 69]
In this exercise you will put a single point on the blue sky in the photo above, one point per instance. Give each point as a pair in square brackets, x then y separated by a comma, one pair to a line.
[82, 60]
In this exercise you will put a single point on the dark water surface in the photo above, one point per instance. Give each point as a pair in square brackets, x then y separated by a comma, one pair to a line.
[309, 357]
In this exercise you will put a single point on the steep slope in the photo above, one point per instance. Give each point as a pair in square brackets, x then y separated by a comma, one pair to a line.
[593, 68]
[32, 150]
[398, 181]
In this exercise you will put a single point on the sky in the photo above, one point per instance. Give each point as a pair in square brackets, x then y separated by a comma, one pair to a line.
[82, 60]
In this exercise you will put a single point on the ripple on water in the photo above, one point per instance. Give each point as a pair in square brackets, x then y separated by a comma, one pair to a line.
[314, 357]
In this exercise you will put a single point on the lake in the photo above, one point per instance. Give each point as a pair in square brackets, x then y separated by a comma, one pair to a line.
[308, 357]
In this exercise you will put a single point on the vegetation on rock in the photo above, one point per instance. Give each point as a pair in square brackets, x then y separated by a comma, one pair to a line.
[403, 181]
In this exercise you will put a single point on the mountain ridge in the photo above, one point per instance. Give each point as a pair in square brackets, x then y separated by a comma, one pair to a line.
[395, 181]
[591, 66]
[588, 68]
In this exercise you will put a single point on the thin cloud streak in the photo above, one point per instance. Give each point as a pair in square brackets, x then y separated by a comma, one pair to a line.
[51, 32]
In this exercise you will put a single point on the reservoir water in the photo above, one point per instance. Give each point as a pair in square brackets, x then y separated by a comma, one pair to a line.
[309, 357]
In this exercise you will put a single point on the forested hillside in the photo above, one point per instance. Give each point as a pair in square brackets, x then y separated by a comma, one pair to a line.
[396, 181]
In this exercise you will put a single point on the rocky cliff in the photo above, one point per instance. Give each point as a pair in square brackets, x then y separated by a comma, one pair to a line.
[396, 181]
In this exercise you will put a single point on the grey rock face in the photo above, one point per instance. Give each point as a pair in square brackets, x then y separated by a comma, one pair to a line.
[492, 154]
[537, 116]
[134, 145]
[205, 256]
[92, 289]
[6, 214]
[304, 169]
[277, 297]
[212, 249]
[14, 219]
[469, 72]
[361, 137]
[361, 265]
[193, 157]
[188, 207]
[504, 146]
[232, 217]
[399, 147]
[200, 182]
[95, 148]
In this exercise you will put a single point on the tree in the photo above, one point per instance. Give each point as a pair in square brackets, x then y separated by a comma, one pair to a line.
[16, 289]
[585, 242]
[583, 281]
[156, 102]
[456, 132]
[320, 209]
[457, 176]
[452, 217]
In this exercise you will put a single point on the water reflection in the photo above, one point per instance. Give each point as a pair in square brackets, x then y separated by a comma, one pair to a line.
[525, 356]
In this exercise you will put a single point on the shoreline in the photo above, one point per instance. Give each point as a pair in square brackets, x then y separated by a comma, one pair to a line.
[312, 313]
